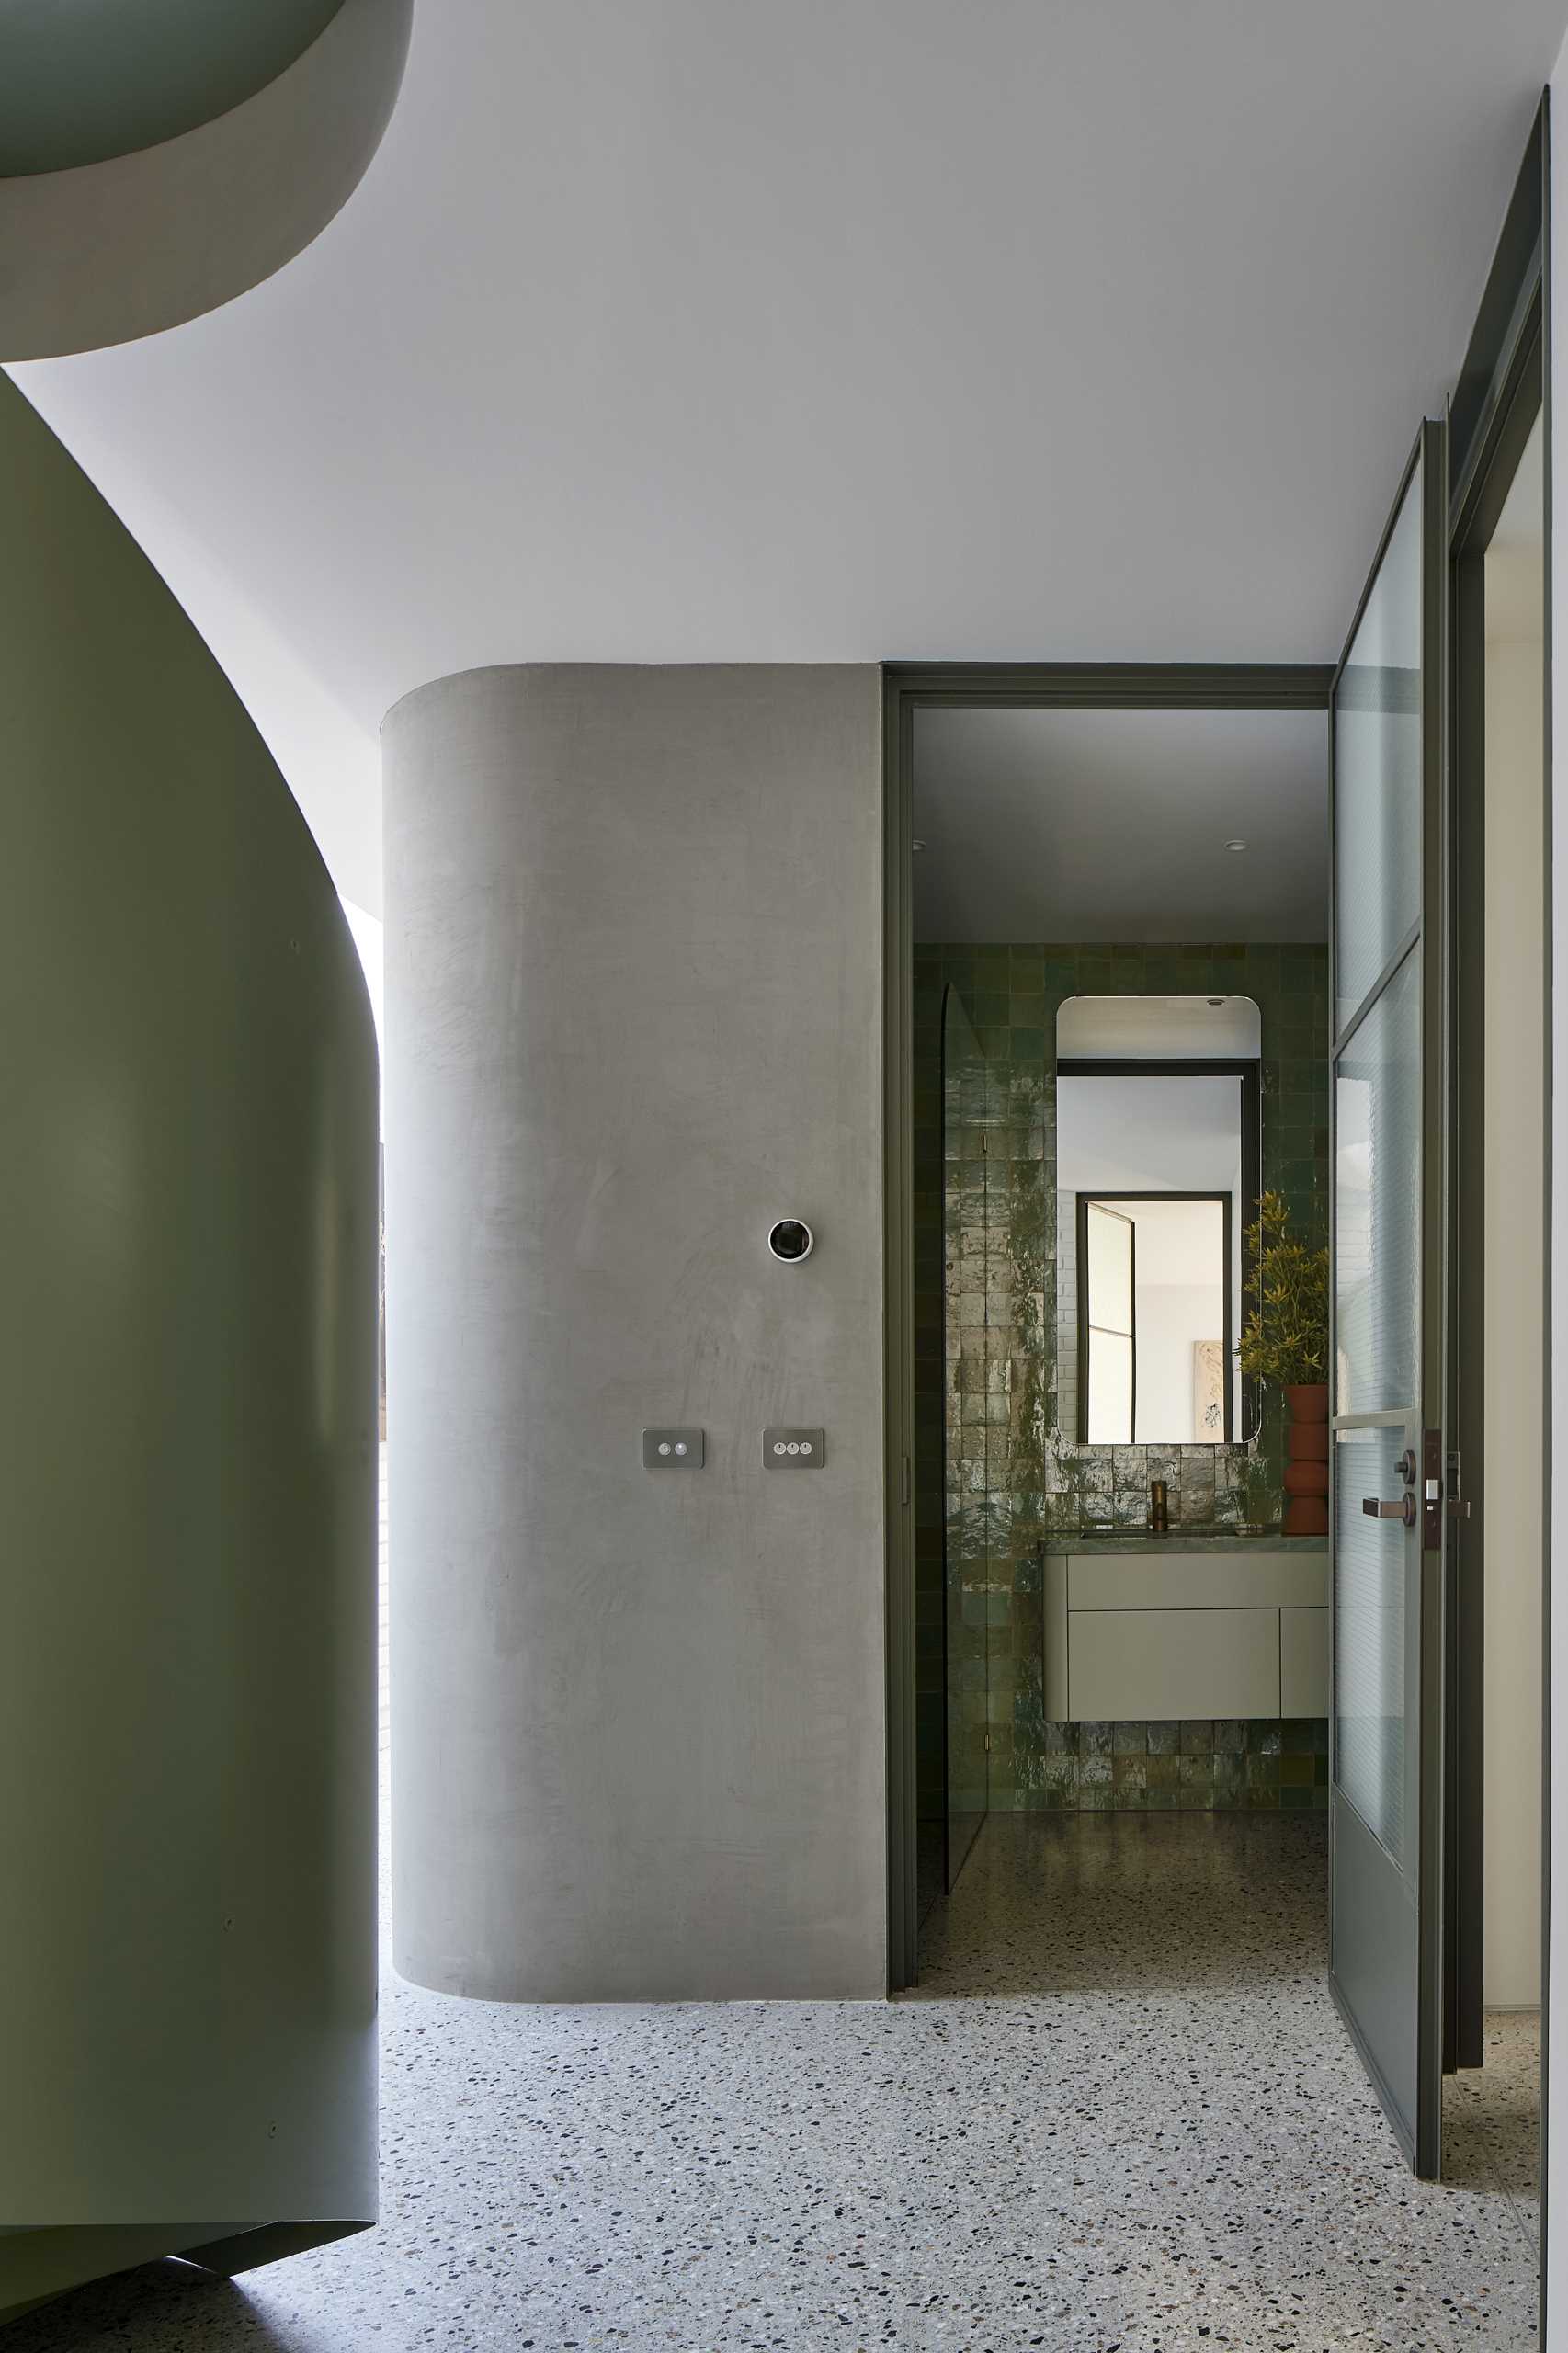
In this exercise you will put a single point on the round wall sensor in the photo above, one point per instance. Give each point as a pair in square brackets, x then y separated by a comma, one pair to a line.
[790, 1240]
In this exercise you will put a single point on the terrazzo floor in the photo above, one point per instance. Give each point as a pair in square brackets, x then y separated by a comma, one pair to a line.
[1119, 2115]
[1492, 2120]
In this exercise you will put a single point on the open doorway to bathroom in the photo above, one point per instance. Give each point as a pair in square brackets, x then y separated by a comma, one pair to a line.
[1121, 1014]
[1126, 1063]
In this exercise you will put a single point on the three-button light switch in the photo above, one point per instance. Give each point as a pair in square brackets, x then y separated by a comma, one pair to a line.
[672, 1450]
[792, 1449]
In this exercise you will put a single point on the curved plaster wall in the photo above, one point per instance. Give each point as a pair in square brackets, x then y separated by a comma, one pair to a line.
[97, 79]
[632, 1017]
[187, 1399]
[104, 251]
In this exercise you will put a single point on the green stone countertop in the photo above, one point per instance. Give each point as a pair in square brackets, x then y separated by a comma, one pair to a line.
[1181, 1540]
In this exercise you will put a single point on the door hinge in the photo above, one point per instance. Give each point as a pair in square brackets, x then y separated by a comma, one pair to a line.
[906, 1478]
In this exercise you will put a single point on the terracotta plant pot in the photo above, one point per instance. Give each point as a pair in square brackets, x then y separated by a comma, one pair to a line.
[1306, 1472]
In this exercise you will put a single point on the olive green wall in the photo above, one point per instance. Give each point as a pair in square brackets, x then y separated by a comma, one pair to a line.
[96, 78]
[188, 1447]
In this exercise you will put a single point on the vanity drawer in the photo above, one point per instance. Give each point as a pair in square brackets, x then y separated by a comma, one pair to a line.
[1155, 1579]
[1164, 1663]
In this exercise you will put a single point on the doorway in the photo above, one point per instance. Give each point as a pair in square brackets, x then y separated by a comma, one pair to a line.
[1053, 1686]
[1120, 1028]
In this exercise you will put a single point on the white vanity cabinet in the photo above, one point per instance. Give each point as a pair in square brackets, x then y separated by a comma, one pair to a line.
[1164, 1634]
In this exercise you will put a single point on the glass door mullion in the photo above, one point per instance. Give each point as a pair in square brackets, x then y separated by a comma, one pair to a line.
[1411, 939]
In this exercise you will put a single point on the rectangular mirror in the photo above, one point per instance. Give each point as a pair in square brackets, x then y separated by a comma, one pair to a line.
[1159, 1145]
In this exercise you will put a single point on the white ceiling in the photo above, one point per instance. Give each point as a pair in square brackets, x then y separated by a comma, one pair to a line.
[1112, 825]
[712, 329]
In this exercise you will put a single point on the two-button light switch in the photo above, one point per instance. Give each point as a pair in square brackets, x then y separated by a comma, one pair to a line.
[672, 1450]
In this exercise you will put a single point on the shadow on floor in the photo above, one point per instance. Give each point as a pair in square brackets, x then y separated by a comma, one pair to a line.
[158, 2303]
[1492, 2120]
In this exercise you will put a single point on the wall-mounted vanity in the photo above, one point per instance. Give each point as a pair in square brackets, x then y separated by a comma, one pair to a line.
[1174, 1627]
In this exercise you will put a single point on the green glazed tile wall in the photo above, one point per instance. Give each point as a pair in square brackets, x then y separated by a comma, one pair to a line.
[1231, 1763]
[1038, 1482]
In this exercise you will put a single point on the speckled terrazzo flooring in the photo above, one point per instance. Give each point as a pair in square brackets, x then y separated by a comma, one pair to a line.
[1492, 2120]
[1119, 2113]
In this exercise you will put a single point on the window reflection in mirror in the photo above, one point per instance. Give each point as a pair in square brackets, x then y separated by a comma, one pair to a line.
[1158, 1155]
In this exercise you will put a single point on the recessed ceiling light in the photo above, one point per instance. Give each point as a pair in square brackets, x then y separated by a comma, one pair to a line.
[1236, 845]
[916, 845]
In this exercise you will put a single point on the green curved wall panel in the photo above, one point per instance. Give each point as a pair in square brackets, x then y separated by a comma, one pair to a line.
[188, 1439]
[96, 78]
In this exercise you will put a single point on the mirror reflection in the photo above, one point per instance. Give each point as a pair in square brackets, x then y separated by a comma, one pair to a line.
[1158, 1155]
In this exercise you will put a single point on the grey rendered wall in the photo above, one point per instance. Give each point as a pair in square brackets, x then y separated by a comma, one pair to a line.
[187, 1236]
[633, 926]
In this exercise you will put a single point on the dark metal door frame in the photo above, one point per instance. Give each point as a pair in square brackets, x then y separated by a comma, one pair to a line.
[908, 688]
[1504, 384]
[1465, 1591]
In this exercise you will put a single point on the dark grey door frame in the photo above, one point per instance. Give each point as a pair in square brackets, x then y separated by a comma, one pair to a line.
[1504, 383]
[909, 687]
[1473, 525]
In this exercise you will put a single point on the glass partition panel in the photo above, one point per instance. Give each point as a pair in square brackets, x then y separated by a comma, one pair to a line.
[1378, 1203]
[1369, 1636]
[967, 1469]
[1377, 770]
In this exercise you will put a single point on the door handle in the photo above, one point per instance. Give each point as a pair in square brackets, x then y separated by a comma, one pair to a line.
[1405, 1509]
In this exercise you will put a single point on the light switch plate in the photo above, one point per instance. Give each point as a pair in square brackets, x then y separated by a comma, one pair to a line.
[793, 1450]
[672, 1450]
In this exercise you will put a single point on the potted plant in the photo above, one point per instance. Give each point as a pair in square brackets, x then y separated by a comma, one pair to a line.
[1284, 1345]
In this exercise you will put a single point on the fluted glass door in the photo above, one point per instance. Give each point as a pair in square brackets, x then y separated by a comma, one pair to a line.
[1387, 1387]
